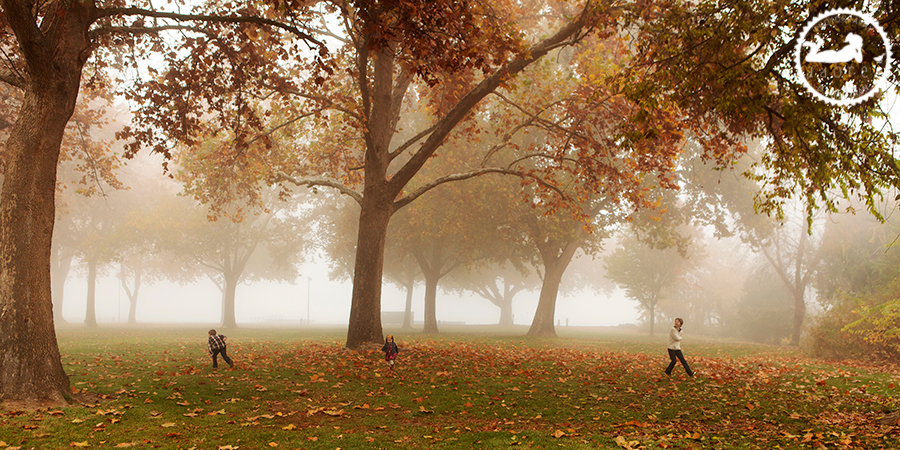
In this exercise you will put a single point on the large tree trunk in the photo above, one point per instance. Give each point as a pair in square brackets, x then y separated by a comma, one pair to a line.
[431, 270]
[365, 307]
[554, 268]
[431, 284]
[376, 206]
[228, 317]
[90, 313]
[30, 367]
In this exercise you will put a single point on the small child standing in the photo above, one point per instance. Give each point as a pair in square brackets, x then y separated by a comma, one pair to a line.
[216, 344]
[390, 350]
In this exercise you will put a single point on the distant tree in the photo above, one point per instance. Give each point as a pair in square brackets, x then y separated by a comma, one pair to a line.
[497, 282]
[764, 311]
[857, 284]
[265, 244]
[647, 274]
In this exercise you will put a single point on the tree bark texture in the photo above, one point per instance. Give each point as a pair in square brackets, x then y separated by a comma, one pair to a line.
[54, 53]
[365, 308]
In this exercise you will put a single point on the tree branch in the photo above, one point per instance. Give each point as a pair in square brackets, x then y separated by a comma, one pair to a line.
[567, 35]
[131, 11]
[312, 182]
[465, 176]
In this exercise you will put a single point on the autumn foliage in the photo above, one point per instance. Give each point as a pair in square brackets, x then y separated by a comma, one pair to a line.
[299, 391]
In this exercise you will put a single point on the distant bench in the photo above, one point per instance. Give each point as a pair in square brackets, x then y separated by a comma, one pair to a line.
[394, 317]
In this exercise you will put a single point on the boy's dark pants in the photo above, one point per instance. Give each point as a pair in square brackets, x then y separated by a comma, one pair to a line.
[215, 357]
[677, 354]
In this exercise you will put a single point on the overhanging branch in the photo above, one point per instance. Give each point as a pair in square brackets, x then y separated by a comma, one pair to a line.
[319, 181]
[110, 12]
[467, 175]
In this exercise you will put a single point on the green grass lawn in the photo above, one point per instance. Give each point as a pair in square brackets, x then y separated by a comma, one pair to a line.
[155, 388]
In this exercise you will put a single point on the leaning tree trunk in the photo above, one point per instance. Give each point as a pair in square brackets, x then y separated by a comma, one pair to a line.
[554, 268]
[30, 367]
[90, 313]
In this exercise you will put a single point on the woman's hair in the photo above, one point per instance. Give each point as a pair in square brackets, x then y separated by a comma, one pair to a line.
[212, 332]
[680, 320]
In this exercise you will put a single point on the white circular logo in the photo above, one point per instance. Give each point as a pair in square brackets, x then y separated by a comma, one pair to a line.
[842, 56]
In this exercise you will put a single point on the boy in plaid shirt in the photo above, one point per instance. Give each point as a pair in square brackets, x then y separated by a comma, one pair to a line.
[216, 345]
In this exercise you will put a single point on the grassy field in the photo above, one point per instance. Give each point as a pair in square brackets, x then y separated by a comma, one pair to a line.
[155, 388]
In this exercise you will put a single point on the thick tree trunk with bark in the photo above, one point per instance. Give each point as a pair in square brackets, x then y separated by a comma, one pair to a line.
[555, 264]
[132, 294]
[365, 309]
[30, 368]
[90, 313]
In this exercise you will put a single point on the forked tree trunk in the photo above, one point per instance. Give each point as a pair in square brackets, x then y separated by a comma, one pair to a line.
[506, 315]
[554, 268]
[381, 110]
[132, 294]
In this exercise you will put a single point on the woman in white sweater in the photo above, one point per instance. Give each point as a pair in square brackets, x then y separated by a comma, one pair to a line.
[675, 349]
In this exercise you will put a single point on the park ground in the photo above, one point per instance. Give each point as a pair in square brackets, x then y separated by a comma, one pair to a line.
[467, 388]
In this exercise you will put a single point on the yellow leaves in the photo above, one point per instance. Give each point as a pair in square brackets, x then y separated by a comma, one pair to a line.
[558, 434]
[168, 425]
[289, 427]
[621, 441]
[125, 445]
[334, 412]
[79, 444]
[425, 411]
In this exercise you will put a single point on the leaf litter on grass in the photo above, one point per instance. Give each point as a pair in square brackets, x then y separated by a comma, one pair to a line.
[458, 390]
